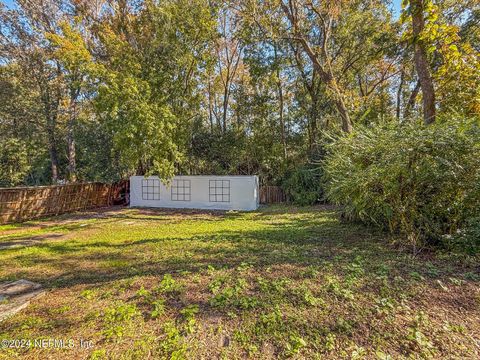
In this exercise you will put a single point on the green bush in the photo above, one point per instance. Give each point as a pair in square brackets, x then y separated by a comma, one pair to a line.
[422, 181]
[303, 185]
[466, 240]
[13, 162]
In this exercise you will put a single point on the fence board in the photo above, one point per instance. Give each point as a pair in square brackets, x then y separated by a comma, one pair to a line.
[21, 204]
[272, 195]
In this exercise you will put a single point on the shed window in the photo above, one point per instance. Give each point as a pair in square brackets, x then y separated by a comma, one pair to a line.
[219, 190]
[151, 189]
[181, 190]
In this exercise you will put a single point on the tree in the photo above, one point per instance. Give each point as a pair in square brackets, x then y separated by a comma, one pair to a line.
[334, 42]
[228, 50]
[445, 58]
[103, 90]
[14, 164]
[417, 10]
[152, 57]
[22, 41]
[321, 59]
[76, 64]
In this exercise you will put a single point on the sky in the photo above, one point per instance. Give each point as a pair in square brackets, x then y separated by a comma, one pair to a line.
[7, 2]
[396, 5]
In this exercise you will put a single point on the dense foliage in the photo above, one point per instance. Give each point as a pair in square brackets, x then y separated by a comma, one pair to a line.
[13, 162]
[103, 90]
[466, 240]
[423, 181]
[303, 185]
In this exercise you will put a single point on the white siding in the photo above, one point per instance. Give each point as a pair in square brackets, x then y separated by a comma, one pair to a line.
[229, 192]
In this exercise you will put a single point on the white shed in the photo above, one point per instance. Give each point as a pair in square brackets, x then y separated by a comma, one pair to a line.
[196, 192]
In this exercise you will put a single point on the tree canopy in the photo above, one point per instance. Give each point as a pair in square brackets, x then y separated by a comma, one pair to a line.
[103, 90]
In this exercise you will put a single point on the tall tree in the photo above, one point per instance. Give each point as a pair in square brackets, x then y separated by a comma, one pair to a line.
[336, 41]
[417, 11]
[76, 64]
[229, 56]
[152, 57]
[321, 59]
[23, 42]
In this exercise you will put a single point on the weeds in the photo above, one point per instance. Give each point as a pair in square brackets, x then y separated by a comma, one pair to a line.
[168, 285]
[117, 318]
[295, 345]
[279, 282]
[158, 308]
[418, 340]
[172, 344]
[87, 294]
[189, 317]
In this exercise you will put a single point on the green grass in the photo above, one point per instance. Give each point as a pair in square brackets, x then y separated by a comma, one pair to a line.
[280, 282]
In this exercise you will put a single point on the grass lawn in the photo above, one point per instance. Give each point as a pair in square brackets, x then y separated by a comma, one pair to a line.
[279, 282]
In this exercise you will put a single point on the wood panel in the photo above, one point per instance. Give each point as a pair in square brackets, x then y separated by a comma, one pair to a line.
[272, 195]
[26, 203]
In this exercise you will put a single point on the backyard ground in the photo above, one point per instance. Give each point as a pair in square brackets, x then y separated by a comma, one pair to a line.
[279, 282]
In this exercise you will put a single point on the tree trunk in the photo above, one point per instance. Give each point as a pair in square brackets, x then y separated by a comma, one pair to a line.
[411, 100]
[312, 126]
[52, 149]
[226, 95]
[421, 62]
[51, 127]
[54, 165]
[210, 106]
[325, 73]
[280, 111]
[343, 111]
[329, 80]
[282, 121]
[399, 94]
[71, 153]
[72, 166]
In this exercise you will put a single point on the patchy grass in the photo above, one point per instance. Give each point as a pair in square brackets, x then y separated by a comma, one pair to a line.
[276, 283]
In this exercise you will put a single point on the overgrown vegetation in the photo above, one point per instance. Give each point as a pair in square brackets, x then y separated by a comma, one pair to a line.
[95, 91]
[283, 282]
[421, 181]
[466, 239]
[303, 185]
[101, 90]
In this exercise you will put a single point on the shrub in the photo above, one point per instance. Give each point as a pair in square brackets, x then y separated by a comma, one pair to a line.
[466, 239]
[303, 185]
[422, 181]
[14, 164]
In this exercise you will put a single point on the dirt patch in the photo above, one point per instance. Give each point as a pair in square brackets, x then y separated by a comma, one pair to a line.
[30, 240]
[100, 213]
[15, 296]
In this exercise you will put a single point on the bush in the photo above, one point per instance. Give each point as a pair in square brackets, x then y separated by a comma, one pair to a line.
[466, 240]
[422, 181]
[13, 162]
[303, 185]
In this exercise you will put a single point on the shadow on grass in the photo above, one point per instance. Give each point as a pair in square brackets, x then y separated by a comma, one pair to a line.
[298, 242]
[22, 241]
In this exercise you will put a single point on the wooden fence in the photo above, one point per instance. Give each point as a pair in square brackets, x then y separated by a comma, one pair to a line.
[25, 203]
[272, 195]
